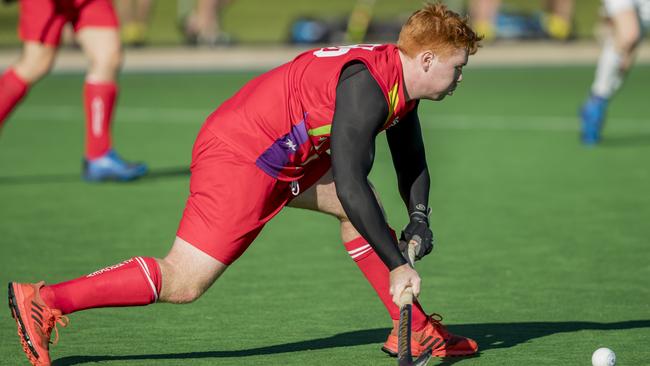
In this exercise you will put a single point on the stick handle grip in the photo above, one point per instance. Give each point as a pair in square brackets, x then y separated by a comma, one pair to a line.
[406, 298]
[413, 245]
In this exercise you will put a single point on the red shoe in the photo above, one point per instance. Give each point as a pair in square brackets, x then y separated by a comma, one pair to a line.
[434, 336]
[35, 321]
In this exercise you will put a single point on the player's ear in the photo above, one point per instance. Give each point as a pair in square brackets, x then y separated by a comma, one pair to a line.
[426, 60]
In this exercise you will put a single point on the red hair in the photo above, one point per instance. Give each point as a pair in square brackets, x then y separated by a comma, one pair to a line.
[436, 28]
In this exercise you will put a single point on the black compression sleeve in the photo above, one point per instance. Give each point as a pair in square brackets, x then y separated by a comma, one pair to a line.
[409, 159]
[361, 110]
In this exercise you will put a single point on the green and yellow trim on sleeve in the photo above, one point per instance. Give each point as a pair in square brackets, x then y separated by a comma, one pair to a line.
[321, 130]
[393, 101]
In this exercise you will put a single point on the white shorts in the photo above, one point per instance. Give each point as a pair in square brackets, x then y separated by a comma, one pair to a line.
[642, 8]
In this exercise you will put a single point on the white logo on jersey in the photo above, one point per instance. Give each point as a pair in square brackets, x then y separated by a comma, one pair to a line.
[290, 144]
[395, 121]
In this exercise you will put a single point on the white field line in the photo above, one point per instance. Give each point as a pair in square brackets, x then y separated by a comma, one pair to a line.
[130, 114]
[444, 121]
[526, 123]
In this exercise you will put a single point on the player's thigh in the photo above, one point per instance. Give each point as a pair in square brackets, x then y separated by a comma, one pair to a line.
[322, 197]
[101, 45]
[230, 200]
[97, 28]
[35, 61]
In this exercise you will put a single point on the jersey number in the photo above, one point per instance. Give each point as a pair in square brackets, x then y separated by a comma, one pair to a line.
[342, 50]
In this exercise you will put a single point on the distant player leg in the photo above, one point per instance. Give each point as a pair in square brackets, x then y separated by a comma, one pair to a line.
[558, 22]
[34, 63]
[102, 46]
[615, 60]
[484, 15]
[39, 28]
[12, 90]
[609, 73]
[618, 54]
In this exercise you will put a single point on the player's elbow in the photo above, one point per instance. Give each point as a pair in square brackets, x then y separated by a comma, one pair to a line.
[348, 194]
[342, 184]
[348, 182]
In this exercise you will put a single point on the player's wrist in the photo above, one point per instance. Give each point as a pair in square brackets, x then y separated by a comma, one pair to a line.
[420, 213]
[401, 268]
[396, 263]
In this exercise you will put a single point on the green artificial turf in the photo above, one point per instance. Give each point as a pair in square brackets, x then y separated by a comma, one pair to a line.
[542, 248]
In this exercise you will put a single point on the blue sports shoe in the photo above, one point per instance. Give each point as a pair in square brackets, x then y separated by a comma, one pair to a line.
[110, 167]
[592, 114]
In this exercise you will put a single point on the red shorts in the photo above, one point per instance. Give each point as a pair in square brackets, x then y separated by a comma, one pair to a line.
[231, 199]
[43, 20]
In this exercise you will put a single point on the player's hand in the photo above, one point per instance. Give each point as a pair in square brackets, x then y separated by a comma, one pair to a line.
[402, 277]
[418, 231]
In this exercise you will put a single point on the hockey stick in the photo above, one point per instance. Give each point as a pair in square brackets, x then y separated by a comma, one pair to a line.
[404, 356]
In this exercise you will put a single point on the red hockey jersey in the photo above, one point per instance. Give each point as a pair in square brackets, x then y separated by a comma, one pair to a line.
[282, 119]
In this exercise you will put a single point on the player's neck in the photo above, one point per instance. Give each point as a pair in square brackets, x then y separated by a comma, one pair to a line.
[409, 76]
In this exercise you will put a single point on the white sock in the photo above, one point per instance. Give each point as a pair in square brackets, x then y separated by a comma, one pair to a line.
[608, 74]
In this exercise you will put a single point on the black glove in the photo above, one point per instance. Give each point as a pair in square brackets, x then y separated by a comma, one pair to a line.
[418, 230]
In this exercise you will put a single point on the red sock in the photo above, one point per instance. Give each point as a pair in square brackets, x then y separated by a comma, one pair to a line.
[99, 102]
[12, 90]
[378, 275]
[134, 282]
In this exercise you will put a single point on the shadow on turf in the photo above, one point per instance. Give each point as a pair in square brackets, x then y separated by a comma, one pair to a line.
[489, 336]
[635, 140]
[161, 173]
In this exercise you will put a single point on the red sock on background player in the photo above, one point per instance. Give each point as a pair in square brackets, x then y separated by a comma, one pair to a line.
[378, 276]
[99, 103]
[12, 90]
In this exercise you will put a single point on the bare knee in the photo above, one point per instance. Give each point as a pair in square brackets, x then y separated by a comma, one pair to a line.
[104, 65]
[178, 287]
[629, 41]
[187, 273]
[102, 47]
[627, 31]
[35, 62]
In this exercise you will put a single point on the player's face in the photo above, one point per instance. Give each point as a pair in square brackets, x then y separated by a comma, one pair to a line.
[443, 73]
